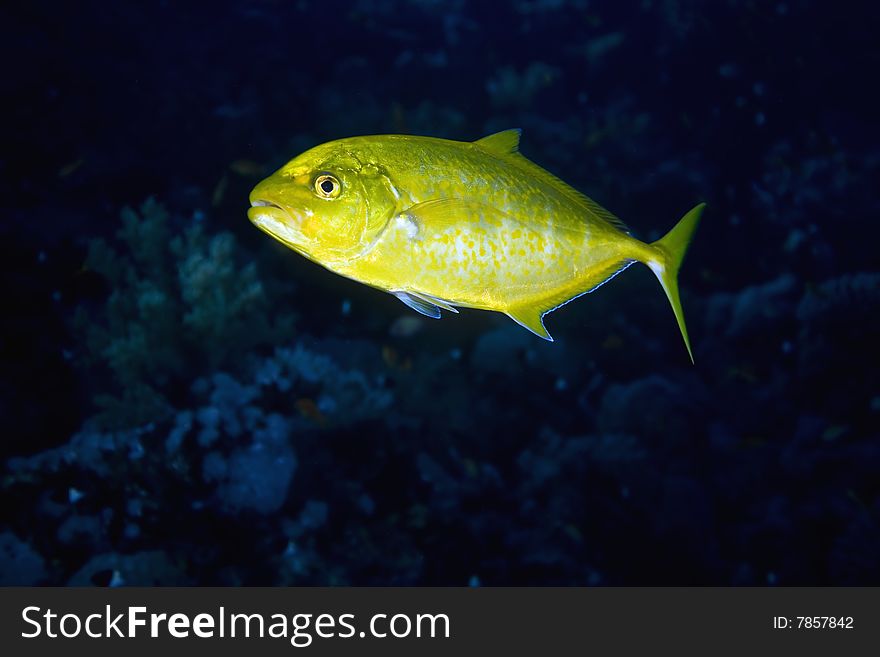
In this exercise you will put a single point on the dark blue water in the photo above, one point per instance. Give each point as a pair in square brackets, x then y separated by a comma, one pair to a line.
[185, 401]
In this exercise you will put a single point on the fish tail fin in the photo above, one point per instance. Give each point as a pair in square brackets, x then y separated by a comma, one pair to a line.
[669, 253]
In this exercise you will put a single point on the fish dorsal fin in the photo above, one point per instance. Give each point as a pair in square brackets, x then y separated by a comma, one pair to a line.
[593, 209]
[501, 143]
[506, 144]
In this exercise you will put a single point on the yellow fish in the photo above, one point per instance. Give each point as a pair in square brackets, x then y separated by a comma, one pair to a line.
[442, 223]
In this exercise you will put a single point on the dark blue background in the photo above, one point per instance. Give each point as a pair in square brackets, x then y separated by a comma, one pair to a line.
[207, 407]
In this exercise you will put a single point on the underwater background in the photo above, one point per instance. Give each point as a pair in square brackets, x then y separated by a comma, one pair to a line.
[186, 401]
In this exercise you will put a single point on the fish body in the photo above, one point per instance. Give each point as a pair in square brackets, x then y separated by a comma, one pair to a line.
[444, 224]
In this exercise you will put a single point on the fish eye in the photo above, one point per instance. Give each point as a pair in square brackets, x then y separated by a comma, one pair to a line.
[327, 186]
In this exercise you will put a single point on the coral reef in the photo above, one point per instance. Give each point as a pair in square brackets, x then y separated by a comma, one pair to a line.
[177, 303]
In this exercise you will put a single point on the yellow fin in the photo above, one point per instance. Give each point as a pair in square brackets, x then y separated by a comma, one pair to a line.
[506, 144]
[531, 318]
[501, 143]
[441, 212]
[671, 249]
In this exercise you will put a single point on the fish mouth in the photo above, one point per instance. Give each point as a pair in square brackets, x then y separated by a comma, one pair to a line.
[277, 222]
[266, 214]
[260, 203]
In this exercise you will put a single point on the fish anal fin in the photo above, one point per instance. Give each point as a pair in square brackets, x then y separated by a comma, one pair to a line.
[531, 315]
[418, 304]
[501, 143]
[531, 318]
[604, 274]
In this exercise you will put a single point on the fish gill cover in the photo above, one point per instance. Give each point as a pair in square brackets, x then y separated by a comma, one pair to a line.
[187, 402]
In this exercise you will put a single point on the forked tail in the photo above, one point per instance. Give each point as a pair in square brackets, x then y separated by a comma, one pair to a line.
[670, 251]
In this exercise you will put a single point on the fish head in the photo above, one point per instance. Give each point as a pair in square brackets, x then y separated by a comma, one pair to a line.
[327, 204]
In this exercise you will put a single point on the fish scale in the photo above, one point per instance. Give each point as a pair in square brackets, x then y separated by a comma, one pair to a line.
[443, 223]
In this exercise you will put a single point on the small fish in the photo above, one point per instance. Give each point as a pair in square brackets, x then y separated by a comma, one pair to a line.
[444, 224]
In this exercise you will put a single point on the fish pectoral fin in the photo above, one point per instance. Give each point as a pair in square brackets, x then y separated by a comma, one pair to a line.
[420, 305]
[531, 318]
[440, 213]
